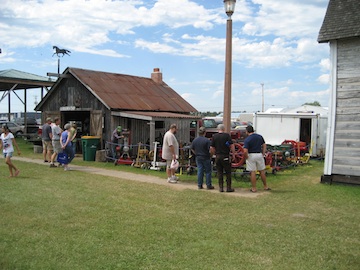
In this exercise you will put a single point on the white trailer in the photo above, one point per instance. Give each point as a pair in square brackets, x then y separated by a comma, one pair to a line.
[307, 127]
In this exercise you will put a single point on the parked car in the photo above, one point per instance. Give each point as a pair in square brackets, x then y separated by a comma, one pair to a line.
[32, 126]
[211, 128]
[240, 124]
[15, 128]
[35, 138]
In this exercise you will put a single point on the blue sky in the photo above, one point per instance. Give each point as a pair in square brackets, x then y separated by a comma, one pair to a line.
[274, 43]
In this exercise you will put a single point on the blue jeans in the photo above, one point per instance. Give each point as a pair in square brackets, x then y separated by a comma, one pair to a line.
[203, 167]
[70, 152]
[73, 143]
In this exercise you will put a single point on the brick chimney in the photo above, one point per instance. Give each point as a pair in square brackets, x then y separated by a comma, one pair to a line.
[156, 76]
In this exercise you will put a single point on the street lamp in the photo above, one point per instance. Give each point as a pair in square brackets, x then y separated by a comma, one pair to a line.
[229, 10]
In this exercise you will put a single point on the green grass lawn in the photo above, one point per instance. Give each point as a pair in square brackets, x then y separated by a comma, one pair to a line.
[51, 219]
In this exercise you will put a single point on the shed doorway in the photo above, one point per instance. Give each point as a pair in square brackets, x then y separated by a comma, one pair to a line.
[82, 121]
[305, 130]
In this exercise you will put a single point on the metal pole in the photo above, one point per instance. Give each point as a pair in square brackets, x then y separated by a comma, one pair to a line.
[227, 83]
[58, 65]
[9, 106]
[262, 94]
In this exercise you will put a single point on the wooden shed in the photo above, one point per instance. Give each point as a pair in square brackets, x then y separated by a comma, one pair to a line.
[341, 29]
[100, 101]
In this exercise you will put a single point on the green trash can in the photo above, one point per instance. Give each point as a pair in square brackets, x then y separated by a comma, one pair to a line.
[89, 147]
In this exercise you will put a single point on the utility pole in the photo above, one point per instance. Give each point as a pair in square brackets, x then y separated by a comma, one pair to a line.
[262, 95]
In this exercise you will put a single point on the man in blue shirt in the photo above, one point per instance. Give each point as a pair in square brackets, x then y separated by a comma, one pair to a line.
[254, 151]
[201, 148]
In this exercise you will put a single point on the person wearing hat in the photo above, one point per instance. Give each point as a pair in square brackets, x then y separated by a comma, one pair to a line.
[115, 140]
[56, 133]
[201, 149]
[46, 137]
[222, 145]
[170, 152]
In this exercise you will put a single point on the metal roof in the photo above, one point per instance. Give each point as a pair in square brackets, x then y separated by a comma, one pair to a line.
[133, 93]
[342, 20]
[154, 115]
[23, 80]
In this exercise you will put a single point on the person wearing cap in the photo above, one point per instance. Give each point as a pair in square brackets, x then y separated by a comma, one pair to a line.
[65, 142]
[201, 148]
[254, 151]
[170, 152]
[56, 133]
[115, 140]
[222, 145]
[46, 138]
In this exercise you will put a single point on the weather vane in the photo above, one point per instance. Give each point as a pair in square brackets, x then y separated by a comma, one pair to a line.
[58, 52]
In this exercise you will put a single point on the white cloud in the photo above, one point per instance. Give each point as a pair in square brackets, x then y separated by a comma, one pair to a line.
[86, 26]
[325, 64]
[271, 35]
[324, 79]
[156, 47]
[90, 23]
[218, 94]
[187, 96]
[7, 56]
[289, 18]
[180, 13]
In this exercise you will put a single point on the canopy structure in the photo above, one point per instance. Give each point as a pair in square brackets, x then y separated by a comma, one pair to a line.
[12, 80]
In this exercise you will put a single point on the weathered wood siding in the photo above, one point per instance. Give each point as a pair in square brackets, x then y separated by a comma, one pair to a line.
[346, 158]
[70, 92]
[140, 131]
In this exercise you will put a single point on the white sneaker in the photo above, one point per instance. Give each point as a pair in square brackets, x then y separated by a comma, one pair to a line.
[171, 180]
[66, 169]
[175, 177]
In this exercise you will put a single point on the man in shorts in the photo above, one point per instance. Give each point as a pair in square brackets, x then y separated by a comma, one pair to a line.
[254, 151]
[170, 152]
[56, 132]
[46, 140]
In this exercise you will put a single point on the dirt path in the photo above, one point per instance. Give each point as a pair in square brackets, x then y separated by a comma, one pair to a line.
[147, 179]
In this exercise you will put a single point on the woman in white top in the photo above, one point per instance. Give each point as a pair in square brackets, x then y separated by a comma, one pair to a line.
[7, 142]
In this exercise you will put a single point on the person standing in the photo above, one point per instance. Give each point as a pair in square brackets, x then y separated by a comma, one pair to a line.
[46, 137]
[73, 133]
[170, 152]
[56, 133]
[66, 145]
[254, 151]
[222, 145]
[201, 148]
[7, 142]
[116, 136]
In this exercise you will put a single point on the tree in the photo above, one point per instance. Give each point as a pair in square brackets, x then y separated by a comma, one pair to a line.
[208, 113]
[315, 103]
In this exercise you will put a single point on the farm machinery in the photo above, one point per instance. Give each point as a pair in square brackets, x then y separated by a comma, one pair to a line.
[288, 154]
[278, 157]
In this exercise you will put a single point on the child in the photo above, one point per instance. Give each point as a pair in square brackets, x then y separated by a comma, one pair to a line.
[7, 141]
